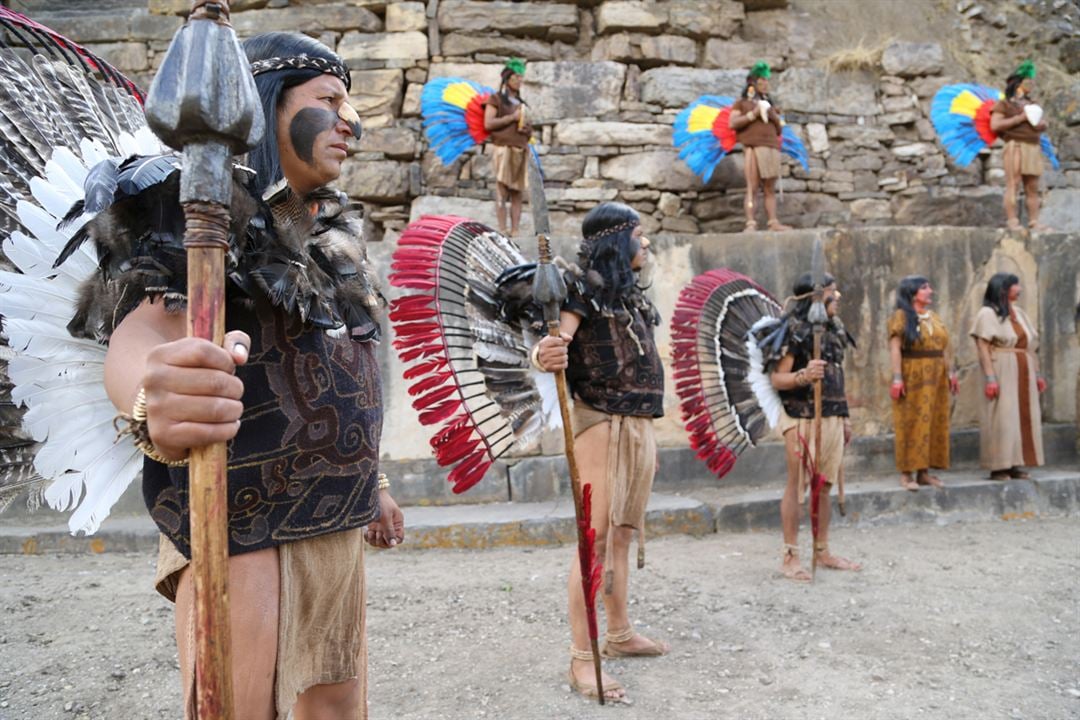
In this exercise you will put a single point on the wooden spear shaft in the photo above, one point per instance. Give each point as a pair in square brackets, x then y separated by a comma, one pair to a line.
[815, 507]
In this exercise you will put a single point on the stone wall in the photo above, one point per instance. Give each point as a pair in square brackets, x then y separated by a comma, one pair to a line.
[606, 79]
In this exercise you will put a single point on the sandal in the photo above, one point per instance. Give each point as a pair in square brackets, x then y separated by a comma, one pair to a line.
[925, 478]
[838, 563]
[795, 573]
[589, 689]
[777, 226]
[1017, 474]
[751, 226]
[656, 648]
[1014, 226]
[908, 484]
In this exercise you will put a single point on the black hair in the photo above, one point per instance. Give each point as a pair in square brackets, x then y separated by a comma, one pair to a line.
[1011, 84]
[504, 77]
[803, 286]
[610, 254]
[751, 81]
[997, 293]
[905, 296]
[265, 158]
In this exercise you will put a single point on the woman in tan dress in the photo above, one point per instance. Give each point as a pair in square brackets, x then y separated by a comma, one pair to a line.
[1010, 431]
[921, 383]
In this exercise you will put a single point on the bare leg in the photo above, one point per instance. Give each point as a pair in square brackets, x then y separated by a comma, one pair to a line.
[770, 205]
[1031, 200]
[501, 192]
[826, 558]
[591, 448]
[254, 588]
[515, 211]
[789, 511]
[750, 171]
[1012, 185]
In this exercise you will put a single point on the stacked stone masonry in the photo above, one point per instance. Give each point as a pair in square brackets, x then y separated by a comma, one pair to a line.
[606, 79]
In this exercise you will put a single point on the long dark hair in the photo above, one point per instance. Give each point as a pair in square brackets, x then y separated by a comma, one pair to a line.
[803, 286]
[504, 77]
[905, 297]
[265, 159]
[609, 251]
[1011, 84]
[997, 293]
[751, 81]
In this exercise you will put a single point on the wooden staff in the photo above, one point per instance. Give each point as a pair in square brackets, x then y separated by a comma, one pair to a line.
[817, 316]
[203, 102]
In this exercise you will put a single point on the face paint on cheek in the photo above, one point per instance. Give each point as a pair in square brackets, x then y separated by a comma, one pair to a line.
[307, 125]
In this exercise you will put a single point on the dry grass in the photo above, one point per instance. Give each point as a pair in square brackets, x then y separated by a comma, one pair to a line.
[860, 57]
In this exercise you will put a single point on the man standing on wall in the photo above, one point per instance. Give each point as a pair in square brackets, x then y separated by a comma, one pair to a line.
[506, 119]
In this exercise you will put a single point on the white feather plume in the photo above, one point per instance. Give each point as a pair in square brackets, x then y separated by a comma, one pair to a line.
[760, 383]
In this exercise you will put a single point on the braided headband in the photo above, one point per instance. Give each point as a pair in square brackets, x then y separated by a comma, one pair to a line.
[303, 62]
[628, 225]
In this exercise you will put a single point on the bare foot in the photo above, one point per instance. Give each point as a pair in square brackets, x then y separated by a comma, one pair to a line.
[907, 483]
[1014, 225]
[777, 226]
[1040, 228]
[793, 571]
[835, 562]
[583, 681]
[925, 478]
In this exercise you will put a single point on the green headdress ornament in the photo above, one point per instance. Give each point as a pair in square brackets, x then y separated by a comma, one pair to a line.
[517, 65]
[1026, 69]
[761, 69]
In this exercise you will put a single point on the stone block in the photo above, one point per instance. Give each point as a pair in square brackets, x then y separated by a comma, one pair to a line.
[517, 18]
[394, 142]
[376, 180]
[676, 87]
[129, 57]
[897, 103]
[461, 43]
[592, 132]
[867, 136]
[89, 27]
[563, 168]
[911, 59]
[483, 73]
[405, 16]
[376, 92]
[756, 5]
[669, 204]
[868, 209]
[817, 137]
[145, 26]
[646, 50]
[581, 194]
[950, 209]
[1070, 55]
[705, 18]
[813, 90]
[904, 117]
[410, 105]
[656, 168]
[632, 15]
[306, 19]
[358, 47]
[912, 150]
[569, 89]
[735, 54]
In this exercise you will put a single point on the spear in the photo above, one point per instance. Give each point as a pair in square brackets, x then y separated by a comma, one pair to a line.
[817, 316]
[203, 102]
[549, 290]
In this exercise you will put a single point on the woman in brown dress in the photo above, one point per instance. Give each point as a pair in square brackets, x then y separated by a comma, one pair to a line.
[1010, 431]
[506, 119]
[921, 384]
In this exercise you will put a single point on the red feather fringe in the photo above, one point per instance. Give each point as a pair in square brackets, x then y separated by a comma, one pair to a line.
[474, 118]
[592, 571]
[722, 129]
[817, 482]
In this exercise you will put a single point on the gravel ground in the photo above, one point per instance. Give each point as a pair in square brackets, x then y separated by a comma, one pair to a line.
[962, 621]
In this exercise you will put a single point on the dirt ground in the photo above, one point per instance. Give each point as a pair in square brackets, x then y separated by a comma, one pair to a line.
[962, 621]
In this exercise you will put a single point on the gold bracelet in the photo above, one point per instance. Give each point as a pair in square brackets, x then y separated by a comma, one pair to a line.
[384, 482]
[139, 431]
[534, 358]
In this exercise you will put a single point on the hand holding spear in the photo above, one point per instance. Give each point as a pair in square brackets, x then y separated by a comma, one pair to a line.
[204, 103]
[549, 290]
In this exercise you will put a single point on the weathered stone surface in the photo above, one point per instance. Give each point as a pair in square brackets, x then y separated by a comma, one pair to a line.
[868, 210]
[357, 47]
[735, 54]
[913, 150]
[705, 18]
[89, 27]
[410, 105]
[678, 87]
[633, 15]
[462, 43]
[563, 168]
[405, 16]
[755, 5]
[1059, 210]
[394, 142]
[566, 89]
[307, 19]
[812, 90]
[1070, 55]
[942, 208]
[909, 59]
[375, 92]
[127, 56]
[669, 204]
[483, 73]
[376, 180]
[520, 18]
[646, 50]
[657, 168]
[563, 224]
[869, 136]
[591, 132]
[818, 138]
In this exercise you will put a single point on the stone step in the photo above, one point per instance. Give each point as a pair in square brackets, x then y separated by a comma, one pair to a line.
[871, 501]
